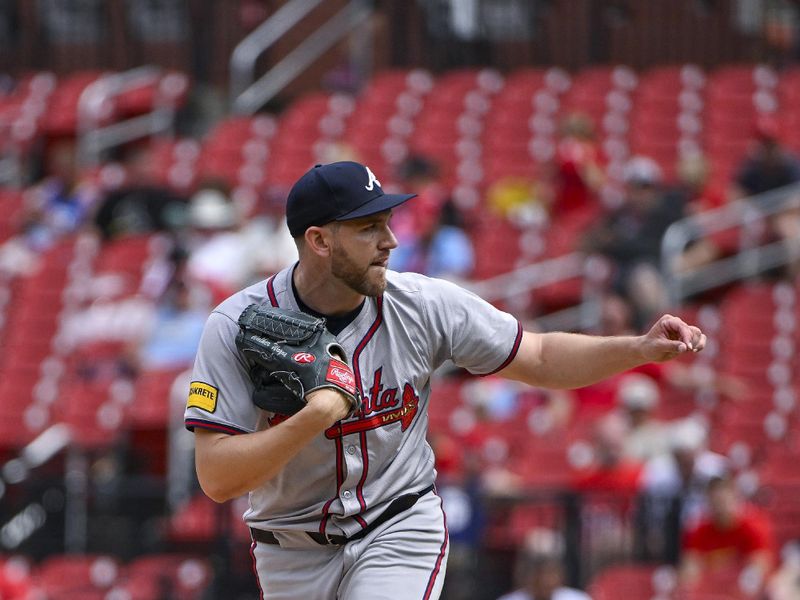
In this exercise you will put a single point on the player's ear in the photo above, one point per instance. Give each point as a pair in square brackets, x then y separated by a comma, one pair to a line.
[319, 240]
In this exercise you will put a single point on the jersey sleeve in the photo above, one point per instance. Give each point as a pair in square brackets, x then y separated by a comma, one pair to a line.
[468, 330]
[220, 391]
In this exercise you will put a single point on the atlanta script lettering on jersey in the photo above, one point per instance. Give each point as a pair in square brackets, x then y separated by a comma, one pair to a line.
[381, 407]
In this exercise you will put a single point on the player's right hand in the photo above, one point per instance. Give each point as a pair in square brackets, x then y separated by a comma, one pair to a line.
[669, 337]
[330, 402]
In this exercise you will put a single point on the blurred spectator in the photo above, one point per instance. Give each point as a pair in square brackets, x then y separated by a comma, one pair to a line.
[154, 331]
[542, 578]
[578, 174]
[414, 226]
[693, 170]
[673, 489]
[631, 237]
[463, 502]
[611, 471]
[735, 537]
[638, 396]
[445, 250]
[685, 471]
[228, 251]
[141, 205]
[175, 331]
[769, 166]
[60, 203]
[492, 397]
[448, 249]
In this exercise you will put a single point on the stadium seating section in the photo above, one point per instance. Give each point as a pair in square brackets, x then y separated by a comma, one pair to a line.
[481, 127]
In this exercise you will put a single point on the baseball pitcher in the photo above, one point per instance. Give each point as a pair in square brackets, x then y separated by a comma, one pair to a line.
[310, 392]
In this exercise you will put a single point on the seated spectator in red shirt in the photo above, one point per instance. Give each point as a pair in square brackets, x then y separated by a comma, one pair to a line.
[735, 535]
[578, 171]
[610, 472]
[695, 182]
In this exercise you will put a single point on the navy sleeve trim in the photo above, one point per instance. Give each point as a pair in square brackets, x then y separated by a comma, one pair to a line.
[190, 424]
[511, 354]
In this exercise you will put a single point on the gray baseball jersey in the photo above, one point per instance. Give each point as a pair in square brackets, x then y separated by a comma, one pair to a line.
[348, 475]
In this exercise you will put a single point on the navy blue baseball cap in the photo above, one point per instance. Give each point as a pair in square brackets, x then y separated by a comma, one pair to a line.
[336, 192]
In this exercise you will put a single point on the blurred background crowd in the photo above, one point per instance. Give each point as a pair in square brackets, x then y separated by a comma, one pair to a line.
[586, 165]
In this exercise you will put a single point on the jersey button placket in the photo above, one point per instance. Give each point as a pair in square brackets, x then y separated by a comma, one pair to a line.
[355, 467]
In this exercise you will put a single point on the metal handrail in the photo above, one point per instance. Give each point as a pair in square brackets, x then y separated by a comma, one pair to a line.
[93, 143]
[93, 139]
[527, 278]
[244, 56]
[105, 87]
[294, 63]
[747, 213]
[584, 316]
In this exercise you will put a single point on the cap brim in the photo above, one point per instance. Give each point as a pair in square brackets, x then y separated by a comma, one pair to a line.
[376, 205]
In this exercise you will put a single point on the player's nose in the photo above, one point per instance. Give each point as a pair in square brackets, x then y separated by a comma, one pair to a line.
[388, 241]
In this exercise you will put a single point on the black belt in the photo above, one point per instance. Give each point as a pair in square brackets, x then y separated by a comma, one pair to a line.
[397, 506]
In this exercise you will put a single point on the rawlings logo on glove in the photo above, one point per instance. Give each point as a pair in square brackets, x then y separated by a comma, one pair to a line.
[342, 375]
[291, 354]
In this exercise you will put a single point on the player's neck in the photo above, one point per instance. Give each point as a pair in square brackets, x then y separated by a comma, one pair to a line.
[325, 295]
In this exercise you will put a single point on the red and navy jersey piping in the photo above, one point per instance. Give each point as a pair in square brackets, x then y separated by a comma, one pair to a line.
[362, 436]
[273, 299]
[191, 424]
[512, 354]
[440, 558]
[357, 372]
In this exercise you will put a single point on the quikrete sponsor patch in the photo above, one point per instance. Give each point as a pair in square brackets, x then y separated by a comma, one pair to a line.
[202, 395]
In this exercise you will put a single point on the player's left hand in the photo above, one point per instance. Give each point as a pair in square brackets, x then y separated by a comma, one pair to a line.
[670, 337]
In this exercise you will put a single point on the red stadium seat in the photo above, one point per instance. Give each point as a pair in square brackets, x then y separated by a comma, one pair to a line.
[631, 581]
[151, 409]
[64, 574]
[176, 576]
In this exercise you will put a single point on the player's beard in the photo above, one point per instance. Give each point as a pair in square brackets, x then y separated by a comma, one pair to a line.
[364, 281]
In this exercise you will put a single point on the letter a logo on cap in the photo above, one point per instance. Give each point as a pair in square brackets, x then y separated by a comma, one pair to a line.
[372, 180]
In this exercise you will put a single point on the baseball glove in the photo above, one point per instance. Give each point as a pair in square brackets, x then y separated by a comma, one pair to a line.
[291, 354]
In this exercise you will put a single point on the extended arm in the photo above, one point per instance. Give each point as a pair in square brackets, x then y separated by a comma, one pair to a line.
[567, 360]
[231, 465]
